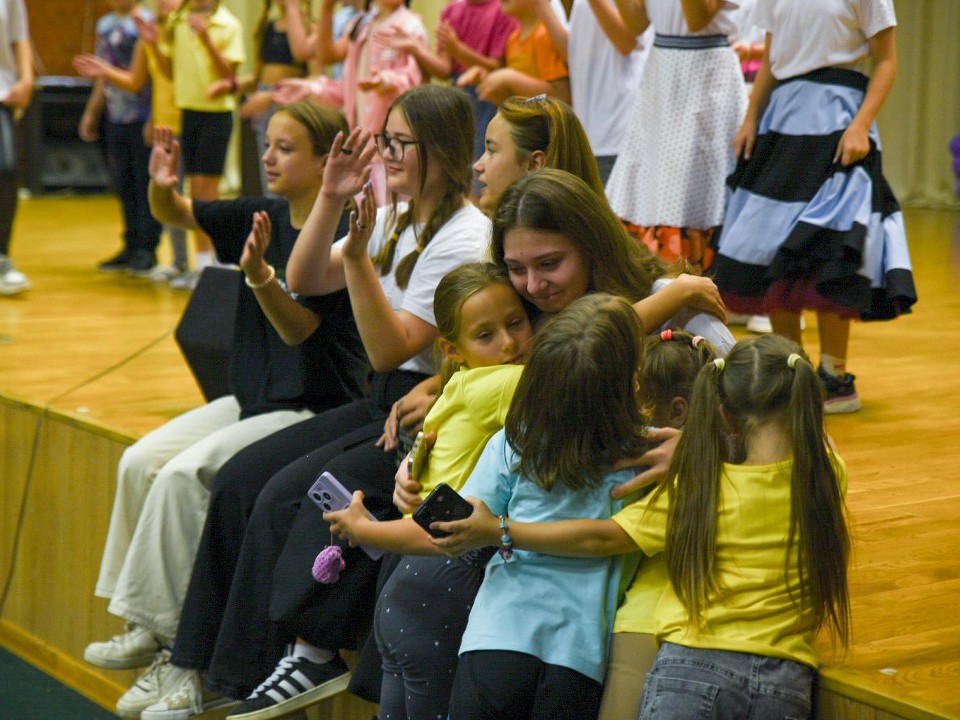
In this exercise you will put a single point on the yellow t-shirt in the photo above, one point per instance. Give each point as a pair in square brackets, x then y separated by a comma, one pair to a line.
[193, 70]
[755, 613]
[470, 410]
[164, 107]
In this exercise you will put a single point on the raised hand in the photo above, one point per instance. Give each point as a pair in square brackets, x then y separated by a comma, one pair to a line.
[148, 29]
[348, 165]
[164, 158]
[252, 260]
[90, 66]
[362, 221]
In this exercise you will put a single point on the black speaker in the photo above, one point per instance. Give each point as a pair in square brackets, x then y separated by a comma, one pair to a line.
[205, 332]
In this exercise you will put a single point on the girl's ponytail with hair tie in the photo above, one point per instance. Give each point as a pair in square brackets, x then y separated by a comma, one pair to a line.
[697, 339]
[666, 335]
[719, 363]
[792, 360]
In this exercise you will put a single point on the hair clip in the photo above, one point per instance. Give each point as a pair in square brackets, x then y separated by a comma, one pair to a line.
[536, 98]
[697, 339]
[666, 335]
[719, 363]
[792, 360]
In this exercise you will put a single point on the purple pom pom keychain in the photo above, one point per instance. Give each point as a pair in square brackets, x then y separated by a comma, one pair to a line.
[329, 564]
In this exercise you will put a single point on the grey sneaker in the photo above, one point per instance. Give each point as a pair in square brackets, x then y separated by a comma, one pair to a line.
[12, 281]
[185, 699]
[185, 281]
[155, 682]
[134, 648]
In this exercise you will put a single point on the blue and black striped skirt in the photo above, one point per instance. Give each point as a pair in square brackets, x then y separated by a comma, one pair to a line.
[801, 231]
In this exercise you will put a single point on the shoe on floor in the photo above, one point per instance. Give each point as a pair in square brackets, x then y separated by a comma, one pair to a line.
[760, 324]
[295, 684]
[118, 263]
[155, 682]
[141, 263]
[135, 648]
[185, 281]
[840, 394]
[166, 273]
[12, 281]
[185, 699]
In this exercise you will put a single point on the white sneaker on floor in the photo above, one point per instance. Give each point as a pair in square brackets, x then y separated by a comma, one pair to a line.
[134, 648]
[185, 281]
[12, 281]
[186, 699]
[155, 682]
[760, 324]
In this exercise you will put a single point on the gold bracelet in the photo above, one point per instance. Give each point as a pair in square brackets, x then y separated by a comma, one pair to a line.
[260, 285]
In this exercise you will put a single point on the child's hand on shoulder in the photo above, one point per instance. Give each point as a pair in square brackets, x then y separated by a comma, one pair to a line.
[481, 529]
[349, 523]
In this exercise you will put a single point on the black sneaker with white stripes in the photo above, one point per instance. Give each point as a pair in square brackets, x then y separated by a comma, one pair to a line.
[295, 684]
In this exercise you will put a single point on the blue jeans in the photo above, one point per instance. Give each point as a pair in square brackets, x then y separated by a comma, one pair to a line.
[691, 683]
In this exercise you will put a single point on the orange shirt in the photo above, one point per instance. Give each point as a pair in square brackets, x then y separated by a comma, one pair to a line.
[535, 55]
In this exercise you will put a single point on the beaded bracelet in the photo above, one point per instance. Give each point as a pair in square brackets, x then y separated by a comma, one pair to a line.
[506, 542]
[271, 276]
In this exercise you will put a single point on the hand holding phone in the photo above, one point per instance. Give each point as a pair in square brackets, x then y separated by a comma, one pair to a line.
[443, 504]
[330, 495]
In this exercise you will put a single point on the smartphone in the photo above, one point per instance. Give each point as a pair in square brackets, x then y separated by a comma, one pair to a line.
[329, 495]
[417, 458]
[443, 504]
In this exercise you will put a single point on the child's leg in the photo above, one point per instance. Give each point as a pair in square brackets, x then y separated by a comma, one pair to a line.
[834, 340]
[420, 617]
[497, 684]
[786, 323]
[631, 657]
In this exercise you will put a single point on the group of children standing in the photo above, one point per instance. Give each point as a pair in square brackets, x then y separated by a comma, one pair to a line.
[554, 396]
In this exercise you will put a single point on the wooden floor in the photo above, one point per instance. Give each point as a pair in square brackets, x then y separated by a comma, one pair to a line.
[97, 351]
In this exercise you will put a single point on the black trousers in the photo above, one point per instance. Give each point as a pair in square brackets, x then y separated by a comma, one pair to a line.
[8, 177]
[255, 511]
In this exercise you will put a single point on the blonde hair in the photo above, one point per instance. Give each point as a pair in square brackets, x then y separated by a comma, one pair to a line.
[575, 411]
[321, 122]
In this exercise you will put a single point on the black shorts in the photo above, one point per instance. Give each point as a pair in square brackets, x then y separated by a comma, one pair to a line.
[204, 140]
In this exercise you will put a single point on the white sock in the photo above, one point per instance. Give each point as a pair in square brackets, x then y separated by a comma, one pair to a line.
[205, 259]
[833, 365]
[312, 652]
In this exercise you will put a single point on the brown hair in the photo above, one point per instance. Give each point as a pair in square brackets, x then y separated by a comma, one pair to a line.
[441, 120]
[671, 366]
[575, 411]
[557, 201]
[550, 126]
[756, 385]
[322, 123]
[453, 290]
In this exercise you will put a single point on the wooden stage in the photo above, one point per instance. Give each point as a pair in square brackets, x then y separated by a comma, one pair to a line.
[88, 363]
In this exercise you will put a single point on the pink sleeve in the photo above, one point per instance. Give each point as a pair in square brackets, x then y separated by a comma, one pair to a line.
[330, 92]
[499, 34]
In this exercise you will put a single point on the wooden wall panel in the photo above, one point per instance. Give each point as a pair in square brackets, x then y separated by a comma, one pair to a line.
[62, 28]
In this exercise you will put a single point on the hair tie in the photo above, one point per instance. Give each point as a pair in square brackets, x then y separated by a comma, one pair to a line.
[697, 339]
[792, 360]
[719, 363]
[419, 248]
[666, 335]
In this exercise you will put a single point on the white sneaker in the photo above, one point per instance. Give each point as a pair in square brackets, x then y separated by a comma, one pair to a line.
[185, 281]
[12, 281]
[186, 699]
[155, 682]
[135, 648]
[760, 324]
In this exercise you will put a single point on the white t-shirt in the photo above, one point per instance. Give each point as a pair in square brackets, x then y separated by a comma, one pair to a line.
[820, 33]
[667, 17]
[703, 324]
[13, 28]
[464, 238]
[603, 82]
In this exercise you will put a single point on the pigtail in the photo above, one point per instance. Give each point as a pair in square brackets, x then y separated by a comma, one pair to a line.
[817, 521]
[693, 489]
[383, 260]
[448, 205]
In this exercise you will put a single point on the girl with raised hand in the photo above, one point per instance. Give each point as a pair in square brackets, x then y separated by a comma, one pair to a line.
[756, 552]
[423, 607]
[390, 263]
[536, 640]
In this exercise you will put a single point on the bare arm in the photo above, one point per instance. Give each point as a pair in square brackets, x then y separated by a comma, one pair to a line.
[131, 79]
[449, 45]
[89, 129]
[569, 538]
[559, 36]
[292, 321]
[223, 67]
[763, 86]
[613, 26]
[686, 291]
[634, 15]
[329, 50]
[402, 536]
[166, 204]
[22, 90]
[301, 35]
[699, 13]
[855, 142]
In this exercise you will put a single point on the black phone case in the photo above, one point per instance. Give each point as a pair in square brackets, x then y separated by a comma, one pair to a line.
[443, 504]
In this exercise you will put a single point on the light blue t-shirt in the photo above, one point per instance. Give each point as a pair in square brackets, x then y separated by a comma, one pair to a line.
[558, 609]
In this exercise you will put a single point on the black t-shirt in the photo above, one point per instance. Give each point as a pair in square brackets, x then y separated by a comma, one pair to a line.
[328, 369]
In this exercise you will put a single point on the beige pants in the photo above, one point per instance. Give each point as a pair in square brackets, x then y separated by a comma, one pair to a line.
[631, 658]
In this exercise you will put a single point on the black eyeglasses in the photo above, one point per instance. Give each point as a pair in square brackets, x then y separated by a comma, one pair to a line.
[395, 147]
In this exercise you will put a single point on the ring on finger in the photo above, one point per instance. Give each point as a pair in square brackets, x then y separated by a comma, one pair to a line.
[346, 151]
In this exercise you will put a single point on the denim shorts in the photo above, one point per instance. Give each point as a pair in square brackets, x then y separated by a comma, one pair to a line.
[691, 683]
